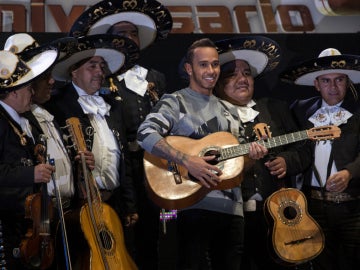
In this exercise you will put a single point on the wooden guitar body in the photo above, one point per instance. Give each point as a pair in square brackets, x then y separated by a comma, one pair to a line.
[110, 232]
[99, 222]
[173, 188]
[295, 235]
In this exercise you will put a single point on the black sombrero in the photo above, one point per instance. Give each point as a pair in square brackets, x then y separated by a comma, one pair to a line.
[16, 73]
[261, 53]
[329, 61]
[118, 52]
[153, 19]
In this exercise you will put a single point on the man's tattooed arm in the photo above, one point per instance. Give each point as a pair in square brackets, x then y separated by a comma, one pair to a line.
[166, 151]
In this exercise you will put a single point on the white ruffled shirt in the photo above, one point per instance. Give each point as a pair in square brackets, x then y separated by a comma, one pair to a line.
[135, 79]
[57, 151]
[105, 146]
[247, 113]
[326, 115]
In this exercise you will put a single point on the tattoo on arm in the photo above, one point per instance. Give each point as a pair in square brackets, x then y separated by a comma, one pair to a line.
[166, 151]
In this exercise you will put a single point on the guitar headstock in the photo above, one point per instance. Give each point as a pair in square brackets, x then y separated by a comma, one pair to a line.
[324, 133]
[262, 131]
[74, 127]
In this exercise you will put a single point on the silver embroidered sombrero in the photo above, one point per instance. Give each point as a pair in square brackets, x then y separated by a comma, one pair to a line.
[329, 61]
[152, 19]
[261, 53]
[118, 52]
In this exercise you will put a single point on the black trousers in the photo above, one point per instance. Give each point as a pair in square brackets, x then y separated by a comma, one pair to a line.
[209, 240]
[142, 240]
[341, 226]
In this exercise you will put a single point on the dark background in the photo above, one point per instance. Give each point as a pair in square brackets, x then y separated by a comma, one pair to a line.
[165, 55]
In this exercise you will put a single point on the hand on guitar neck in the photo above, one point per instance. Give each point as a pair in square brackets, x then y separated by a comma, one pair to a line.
[294, 236]
[276, 165]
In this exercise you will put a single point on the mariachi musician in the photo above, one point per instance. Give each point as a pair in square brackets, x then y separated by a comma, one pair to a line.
[99, 114]
[19, 176]
[43, 124]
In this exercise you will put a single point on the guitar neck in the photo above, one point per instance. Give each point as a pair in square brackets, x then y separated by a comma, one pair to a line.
[243, 149]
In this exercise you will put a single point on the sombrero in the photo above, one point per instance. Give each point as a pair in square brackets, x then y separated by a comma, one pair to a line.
[329, 61]
[261, 53]
[118, 52]
[16, 73]
[26, 46]
[153, 20]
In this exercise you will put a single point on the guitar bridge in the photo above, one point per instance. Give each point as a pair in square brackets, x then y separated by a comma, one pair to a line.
[299, 241]
[172, 167]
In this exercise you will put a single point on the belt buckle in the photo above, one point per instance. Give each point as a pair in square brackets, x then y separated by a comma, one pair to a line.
[337, 198]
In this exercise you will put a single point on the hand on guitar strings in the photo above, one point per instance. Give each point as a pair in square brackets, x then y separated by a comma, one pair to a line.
[257, 151]
[277, 167]
[198, 167]
[89, 159]
[42, 173]
[338, 181]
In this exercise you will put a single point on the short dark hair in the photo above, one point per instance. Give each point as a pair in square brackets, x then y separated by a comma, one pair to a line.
[204, 42]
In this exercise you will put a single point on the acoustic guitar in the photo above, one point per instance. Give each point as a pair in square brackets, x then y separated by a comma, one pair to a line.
[99, 222]
[294, 236]
[170, 185]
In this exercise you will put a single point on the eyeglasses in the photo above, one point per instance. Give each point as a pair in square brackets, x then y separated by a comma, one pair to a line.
[339, 81]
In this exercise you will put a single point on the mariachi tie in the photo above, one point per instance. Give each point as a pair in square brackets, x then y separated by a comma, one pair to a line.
[247, 113]
[94, 104]
[25, 126]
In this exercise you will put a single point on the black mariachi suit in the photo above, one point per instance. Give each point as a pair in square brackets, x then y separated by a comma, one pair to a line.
[65, 105]
[16, 183]
[141, 240]
[257, 179]
[339, 221]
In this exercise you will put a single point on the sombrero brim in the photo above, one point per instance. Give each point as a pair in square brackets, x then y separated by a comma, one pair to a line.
[261, 53]
[146, 26]
[19, 42]
[114, 59]
[38, 65]
[154, 21]
[307, 72]
[118, 52]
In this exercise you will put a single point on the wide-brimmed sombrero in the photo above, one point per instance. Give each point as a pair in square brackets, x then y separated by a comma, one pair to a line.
[152, 19]
[261, 53]
[29, 61]
[118, 52]
[329, 61]
[16, 73]
[26, 46]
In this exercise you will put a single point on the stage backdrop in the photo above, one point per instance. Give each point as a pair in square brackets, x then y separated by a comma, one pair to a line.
[165, 56]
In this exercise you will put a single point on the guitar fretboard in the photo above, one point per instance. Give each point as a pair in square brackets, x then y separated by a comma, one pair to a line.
[243, 149]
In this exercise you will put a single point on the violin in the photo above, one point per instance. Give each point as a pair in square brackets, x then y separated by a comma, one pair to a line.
[37, 248]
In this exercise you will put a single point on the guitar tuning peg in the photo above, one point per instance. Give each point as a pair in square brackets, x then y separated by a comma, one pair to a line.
[71, 146]
[66, 137]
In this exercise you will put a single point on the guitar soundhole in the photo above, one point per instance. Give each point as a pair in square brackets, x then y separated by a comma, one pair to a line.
[210, 151]
[289, 213]
[106, 239]
[213, 153]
